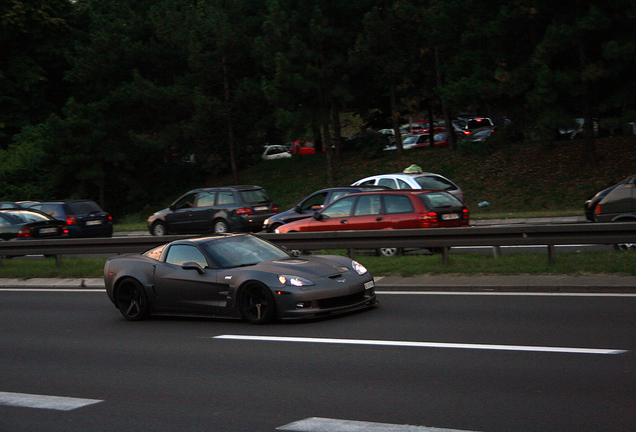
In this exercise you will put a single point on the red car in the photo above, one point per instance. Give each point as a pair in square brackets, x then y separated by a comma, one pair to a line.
[386, 210]
[301, 147]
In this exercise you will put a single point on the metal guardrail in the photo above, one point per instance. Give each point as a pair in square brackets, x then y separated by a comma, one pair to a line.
[437, 238]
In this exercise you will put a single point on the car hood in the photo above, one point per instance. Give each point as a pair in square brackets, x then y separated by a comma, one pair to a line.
[310, 266]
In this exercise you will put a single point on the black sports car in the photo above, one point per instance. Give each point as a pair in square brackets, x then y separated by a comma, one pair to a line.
[235, 275]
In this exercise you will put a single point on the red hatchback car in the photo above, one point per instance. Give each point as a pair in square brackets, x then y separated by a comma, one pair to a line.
[386, 210]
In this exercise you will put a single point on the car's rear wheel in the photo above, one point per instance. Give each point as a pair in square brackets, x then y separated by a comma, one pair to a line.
[220, 227]
[625, 246]
[388, 252]
[256, 303]
[131, 300]
[158, 229]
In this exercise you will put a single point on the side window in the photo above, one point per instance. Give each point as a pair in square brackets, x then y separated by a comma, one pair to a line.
[335, 195]
[4, 222]
[397, 204]
[180, 254]
[390, 183]
[225, 198]
[51, 210]
[206, 199]
[186, 202]
[340, 208]
[403, 185]
[314, 202]
[368, 205]
[367, 183]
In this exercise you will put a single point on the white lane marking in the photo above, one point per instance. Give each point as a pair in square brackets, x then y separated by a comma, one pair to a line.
[422, 344]
[318, 424]
[506, 293]
[59, 403]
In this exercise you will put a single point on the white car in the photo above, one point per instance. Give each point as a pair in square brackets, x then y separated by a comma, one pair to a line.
[421, 180]
[276, 152]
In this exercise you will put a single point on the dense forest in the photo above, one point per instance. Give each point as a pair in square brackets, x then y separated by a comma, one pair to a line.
[126, 101]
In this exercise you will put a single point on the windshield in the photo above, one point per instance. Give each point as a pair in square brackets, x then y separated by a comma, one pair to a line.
[25, 216]
[240, 251]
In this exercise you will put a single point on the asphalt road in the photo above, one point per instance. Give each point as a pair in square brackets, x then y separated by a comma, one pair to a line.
[465, 362]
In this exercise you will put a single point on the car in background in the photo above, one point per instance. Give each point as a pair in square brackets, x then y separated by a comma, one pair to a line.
[411, 142]
[83, 218]
[313, 203]
[275, 152]
[241, 208]
[235, 276]
[615, 204]
[386, 210]
[9, 205]
[469, 124]
[480, 135]
[420, 180]
[301, 147]
[20, 223]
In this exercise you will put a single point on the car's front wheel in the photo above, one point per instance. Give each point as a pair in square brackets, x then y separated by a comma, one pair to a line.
[625, 246]
[158, 229]
[131, 300]
[220, 227]
[256, 303]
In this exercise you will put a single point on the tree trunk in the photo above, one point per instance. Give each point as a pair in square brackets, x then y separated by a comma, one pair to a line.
[395, 119]
[230, 124]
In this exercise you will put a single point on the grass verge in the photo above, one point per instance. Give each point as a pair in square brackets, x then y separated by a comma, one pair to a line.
[572, 263]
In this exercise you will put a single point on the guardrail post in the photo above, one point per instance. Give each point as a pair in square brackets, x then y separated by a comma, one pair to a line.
[58, 260]
[551, 254]
[496, 251]
[445, 255]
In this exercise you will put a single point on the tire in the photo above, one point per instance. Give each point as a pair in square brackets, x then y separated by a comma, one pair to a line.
[625, 246]
[159, 229]
[387, 252]
[257, 304]
[274, 227]
[220, 227]
[131, 300]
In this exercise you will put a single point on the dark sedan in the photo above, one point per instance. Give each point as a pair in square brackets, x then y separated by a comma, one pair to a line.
[312, 203]
[235, 276]
[29, 224]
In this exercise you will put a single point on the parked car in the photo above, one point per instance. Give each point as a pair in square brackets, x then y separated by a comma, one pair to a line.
[615, 204]
[84, 218]
[276, 152]
[481, 134]
[411, 142]
[386, 210]
[469, 124]
[235, 276]
[301, 147]
[218, 209]
[421, 180]
[313, 203]
[20, 223]
[9, 205]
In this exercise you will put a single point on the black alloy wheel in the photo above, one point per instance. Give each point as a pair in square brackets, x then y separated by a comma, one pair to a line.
[131, 300]
[256, 303]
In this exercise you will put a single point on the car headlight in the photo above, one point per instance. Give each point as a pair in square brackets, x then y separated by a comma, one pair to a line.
[359, 268]
[266, 222]
[294, 281]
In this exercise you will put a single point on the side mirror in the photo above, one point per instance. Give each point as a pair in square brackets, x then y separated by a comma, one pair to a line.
[318, 216]
[191, 265]
[297, 209]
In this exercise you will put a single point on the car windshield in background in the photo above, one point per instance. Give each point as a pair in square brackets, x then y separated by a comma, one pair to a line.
[255, 196]
[84, 207]
[434, 183]
[438, 200]
[20, 216]
[241, 251]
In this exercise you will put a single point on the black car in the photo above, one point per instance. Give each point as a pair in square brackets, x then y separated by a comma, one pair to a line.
[614, 204]
[83, 218]
[217, 209]
[29, 224]
[311, 204]
[235, 276]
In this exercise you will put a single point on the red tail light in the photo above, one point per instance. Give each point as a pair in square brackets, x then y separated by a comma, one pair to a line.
[244, 212]
[24, 232]
[71, 220]
[428, 217]
[597, 210]
[275, 208]
[466, 213]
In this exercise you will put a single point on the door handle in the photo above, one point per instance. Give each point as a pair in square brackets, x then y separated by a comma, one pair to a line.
[378, 219]
[344, 221]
